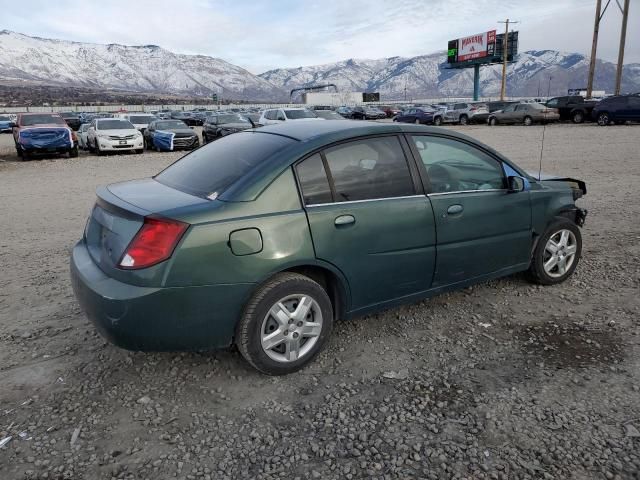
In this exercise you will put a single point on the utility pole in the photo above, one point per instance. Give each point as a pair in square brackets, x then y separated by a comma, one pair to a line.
[594, 48]
[623, 35]
[505, 47]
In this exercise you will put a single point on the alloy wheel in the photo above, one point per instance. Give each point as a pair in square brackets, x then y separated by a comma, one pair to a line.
[560, 253]
[291, 328]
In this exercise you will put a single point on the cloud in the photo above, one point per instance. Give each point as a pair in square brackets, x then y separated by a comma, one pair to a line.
[289, 33]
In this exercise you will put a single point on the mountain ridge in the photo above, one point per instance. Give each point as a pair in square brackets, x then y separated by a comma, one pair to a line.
[153, 69]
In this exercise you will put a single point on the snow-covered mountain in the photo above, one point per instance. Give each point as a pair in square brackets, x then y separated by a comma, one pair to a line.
[26, 60]
[426, 76]
[147, 68]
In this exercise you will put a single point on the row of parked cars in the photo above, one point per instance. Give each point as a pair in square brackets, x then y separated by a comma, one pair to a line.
[611, 110]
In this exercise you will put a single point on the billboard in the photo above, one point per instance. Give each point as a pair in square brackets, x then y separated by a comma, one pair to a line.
[476, 46]
[481, 48]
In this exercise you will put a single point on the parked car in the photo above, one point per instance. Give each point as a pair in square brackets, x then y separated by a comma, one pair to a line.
[221, 125]
[344, 111]
[572, 107]
[463, 113]
[139, 120]
[185, 117]
[416, 115]
[617, 109]
[170, 135]
[390, 111]
[366, 113]
[273, 116]
[264, 238]
[113, 135]
[6, 124]
[72, 119]
[82, 136]
[329, 115]
[524, 113]
[38, 133]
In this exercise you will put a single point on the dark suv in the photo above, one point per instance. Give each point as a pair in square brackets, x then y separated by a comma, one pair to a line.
[618, 109]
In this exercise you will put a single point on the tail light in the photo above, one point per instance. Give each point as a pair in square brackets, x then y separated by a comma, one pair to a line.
[473, 109]
[154, 243]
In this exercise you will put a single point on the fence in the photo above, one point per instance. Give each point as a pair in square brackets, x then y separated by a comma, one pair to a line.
[149, 108]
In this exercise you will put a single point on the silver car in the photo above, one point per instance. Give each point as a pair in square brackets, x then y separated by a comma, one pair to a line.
[82, 136]
[464, 113]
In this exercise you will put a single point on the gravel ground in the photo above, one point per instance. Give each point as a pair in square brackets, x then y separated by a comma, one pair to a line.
[504, 380]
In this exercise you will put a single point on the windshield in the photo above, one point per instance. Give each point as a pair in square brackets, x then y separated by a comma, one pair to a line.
[235, 118]
[29, 120]
[114, 125]
[210, 170]
[296, 114]
[171, 124]
[141, 118]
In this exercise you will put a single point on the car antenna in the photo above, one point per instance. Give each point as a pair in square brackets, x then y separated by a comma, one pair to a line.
[544, 128]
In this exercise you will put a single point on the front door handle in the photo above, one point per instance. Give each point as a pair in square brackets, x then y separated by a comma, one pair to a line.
[454, 209]
[344, 220]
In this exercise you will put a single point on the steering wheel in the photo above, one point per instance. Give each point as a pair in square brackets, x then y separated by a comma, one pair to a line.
[440, 179]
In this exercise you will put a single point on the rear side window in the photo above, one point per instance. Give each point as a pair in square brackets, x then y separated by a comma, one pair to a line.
[210, 170]
[313, 181]
[368, 169]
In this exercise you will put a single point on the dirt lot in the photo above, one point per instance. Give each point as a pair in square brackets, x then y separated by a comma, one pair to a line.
[502, 380]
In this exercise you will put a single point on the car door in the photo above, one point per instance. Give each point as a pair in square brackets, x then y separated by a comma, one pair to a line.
[481, 226]
[521, 111]
[369, 218]
[508, 114]
[631, 111]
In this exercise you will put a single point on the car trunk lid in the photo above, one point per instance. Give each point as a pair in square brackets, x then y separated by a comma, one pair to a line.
[118, 215]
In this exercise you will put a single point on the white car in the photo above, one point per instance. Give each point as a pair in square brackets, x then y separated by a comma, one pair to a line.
[273, 116]
[140, 120]
[113, 135]
[82, 136]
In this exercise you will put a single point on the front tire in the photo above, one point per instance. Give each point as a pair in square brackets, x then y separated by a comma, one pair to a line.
[528, 121]
[464, 120]
[417, 121]
[285, 324]
[557, 253]
[493, 121]
[437, 121]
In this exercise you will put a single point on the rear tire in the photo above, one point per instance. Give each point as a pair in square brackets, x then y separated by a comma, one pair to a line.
[528, 121]
[578, 117]
[493, 121]
[603, 119]
[417, 121]
[282, 343]
[557, 253]
[73, 152]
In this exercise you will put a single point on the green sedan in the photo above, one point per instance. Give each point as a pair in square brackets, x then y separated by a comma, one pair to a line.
[266, 237]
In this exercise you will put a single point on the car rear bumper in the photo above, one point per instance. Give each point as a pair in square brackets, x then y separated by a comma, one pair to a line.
[156, 319]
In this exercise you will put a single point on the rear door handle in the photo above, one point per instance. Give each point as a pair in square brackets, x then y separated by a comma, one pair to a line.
[344, 220]
[453, 209]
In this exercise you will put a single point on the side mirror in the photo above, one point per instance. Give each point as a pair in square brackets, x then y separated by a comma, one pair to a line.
[516, 184]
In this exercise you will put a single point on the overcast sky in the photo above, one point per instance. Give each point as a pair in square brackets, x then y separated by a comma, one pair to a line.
[261, 35]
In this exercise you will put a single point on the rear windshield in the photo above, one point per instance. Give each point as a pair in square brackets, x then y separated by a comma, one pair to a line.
[141, 118]
[296, 114]
[114, 125]
[210, 170]
[28, 120]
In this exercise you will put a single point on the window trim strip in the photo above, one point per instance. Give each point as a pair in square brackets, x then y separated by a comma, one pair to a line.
[437, 194]
[346, 202]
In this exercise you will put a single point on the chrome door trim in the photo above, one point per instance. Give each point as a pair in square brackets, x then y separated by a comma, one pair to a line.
[467, 191]
[366, 200]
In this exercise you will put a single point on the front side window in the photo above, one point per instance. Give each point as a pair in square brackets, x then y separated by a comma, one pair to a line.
[454, 166]
[368, 169]
[313, 181]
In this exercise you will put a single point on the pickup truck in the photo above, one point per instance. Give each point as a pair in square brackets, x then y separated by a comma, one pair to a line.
[573, 107]
[43, 133]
